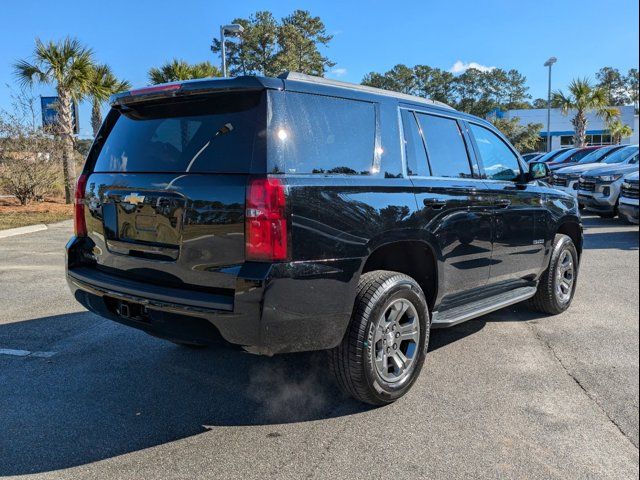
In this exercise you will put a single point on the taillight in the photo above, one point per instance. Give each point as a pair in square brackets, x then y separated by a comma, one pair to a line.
[80, 225]
[265, 220]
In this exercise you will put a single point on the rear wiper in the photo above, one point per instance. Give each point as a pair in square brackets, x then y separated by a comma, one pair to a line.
[226, 128]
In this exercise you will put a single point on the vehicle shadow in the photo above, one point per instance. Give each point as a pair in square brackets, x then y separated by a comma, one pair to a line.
[111, 390]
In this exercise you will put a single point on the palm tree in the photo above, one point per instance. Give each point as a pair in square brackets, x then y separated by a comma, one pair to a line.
[178, 70]
[618, 131]
[102, 84]
[66, 64]
[583, 98]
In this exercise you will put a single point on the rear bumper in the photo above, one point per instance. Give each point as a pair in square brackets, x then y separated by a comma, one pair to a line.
[275, 308]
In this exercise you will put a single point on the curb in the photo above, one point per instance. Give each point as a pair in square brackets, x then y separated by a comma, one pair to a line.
[10, 232]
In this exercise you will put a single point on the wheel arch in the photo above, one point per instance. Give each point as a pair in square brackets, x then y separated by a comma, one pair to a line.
[573, 229]
[408, 257]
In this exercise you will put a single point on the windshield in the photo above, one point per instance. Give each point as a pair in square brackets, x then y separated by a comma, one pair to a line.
[621, 155]
[213, 134]
[596, 156]
[551, 155]
[580, 154]
[565, 155]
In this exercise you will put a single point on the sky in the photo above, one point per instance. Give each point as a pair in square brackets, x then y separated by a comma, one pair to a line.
[132, 36]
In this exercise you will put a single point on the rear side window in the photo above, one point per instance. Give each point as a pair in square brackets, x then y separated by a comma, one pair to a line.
[413, 146]
[446, 150]
[218, 134]
[500, 163]
[315, 134]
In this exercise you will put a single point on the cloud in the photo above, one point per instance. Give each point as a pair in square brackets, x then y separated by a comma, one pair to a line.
[338, 72]
[461, 67]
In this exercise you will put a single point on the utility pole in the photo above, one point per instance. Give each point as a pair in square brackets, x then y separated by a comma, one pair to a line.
[549, 63]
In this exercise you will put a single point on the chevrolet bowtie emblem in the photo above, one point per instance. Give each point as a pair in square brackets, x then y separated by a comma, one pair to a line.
[133, 198]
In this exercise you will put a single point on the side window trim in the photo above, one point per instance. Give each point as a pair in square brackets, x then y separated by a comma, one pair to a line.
[414, 114]
[473, 155]
[483, 173]
[403, 145]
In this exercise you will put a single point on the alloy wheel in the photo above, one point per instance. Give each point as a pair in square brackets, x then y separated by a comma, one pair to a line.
[396, 340]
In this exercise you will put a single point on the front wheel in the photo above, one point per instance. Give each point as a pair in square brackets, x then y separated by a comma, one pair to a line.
[384, 347]
[557, 284]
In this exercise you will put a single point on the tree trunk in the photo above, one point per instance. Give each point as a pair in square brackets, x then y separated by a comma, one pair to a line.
[65, 132]
[580, 125]
[96, 117]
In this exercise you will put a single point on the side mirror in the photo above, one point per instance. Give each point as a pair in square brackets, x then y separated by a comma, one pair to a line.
[539, 171]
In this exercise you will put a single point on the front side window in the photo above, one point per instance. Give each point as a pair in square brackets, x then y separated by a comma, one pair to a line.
[316, 134]
[500, 163]
[446, 149]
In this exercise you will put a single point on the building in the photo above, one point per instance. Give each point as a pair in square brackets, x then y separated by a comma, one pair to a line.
[562, 130]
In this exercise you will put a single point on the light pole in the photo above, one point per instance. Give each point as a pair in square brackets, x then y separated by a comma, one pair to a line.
[549, 63]
[232, 30]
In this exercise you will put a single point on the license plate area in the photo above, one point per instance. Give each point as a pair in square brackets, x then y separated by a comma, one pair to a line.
[146, 225]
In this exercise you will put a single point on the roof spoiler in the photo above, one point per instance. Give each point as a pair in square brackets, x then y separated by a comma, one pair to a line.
[194, 87]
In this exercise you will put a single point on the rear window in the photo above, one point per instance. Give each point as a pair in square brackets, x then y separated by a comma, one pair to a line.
[217, 134]
[315, 134]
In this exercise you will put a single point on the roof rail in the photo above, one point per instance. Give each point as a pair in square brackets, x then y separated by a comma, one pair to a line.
[303, 77]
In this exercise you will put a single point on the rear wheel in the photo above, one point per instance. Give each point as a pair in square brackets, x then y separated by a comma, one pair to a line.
[557, 284]
[384, 347]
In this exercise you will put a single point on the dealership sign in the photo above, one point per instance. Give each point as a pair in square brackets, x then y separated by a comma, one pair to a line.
[49, 106]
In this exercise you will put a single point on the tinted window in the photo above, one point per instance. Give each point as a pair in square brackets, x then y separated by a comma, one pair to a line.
[413, 145]
[446, 151]
[500, 163]
[214, 134]
[318, 134]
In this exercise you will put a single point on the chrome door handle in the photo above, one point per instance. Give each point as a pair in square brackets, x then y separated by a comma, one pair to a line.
[502, 203]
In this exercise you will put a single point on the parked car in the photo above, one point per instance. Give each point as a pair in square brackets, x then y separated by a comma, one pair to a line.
[572, 157]
[297, 213]
[566, 178]
[599, 189]
[530, 157]
[549, 156]
[629, 195]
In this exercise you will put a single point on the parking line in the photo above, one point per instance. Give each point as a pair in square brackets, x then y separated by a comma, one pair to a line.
[25, 353]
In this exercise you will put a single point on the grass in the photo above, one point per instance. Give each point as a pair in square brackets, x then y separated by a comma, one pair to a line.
[13, 215]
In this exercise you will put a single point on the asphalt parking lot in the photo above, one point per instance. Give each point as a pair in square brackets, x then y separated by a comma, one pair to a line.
[511, 395]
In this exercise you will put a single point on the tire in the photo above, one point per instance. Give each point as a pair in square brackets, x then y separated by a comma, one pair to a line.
[549, 299]
[357, 362]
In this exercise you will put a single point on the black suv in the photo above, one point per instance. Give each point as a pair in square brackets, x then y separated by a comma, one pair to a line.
[295, 213]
